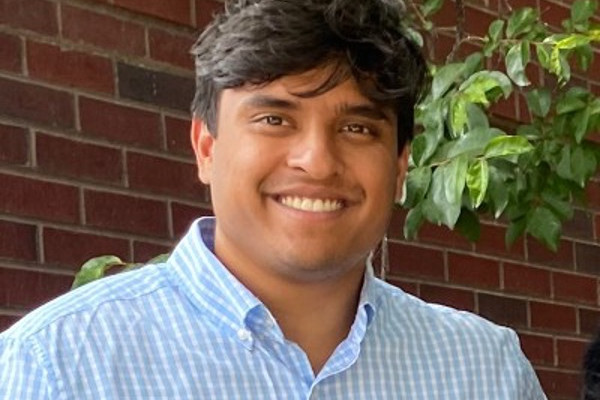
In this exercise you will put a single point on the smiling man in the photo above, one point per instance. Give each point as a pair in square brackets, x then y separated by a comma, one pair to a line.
[302, 116]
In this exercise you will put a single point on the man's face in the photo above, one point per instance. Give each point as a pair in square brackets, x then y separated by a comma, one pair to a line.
[302, 187]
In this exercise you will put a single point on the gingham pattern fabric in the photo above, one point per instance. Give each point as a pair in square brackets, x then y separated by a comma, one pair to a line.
[187, 329]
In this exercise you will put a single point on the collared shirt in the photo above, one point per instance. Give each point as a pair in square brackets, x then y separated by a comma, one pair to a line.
[188, 329]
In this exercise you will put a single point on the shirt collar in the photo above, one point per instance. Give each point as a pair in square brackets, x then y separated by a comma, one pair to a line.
[213, 289]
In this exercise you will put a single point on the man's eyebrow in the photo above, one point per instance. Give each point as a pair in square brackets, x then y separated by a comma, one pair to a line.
[365, 110]
[267, 101]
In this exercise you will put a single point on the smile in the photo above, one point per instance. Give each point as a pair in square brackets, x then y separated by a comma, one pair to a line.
[313, 205]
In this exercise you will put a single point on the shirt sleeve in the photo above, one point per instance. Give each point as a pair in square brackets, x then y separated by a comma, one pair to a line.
[22, 375]
[525, 379]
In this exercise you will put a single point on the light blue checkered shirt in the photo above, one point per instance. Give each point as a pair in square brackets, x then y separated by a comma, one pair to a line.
[188, 329]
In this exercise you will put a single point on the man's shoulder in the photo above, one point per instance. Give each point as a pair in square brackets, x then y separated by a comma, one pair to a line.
[409, 310]
[91, 301]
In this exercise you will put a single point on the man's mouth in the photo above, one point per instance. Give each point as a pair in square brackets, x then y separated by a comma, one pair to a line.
[313, 205]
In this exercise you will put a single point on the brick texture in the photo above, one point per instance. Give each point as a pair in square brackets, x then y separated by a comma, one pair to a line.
[72, 68]
[538, 349]
[171, 48]
[182, 216]
[80, 161]
[473, 271]
[14, 146]
[176, 11]
[35, 15]
[409, 260]
[18, 241]
[10, 53]
[178, 135]
[119, 123]
[36, 103]
[21, 289]
[553, 317]
[503, 310]
[105, 31]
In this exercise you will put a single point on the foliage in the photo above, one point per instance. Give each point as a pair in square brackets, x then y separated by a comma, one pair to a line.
[99, 267]
[462, 166]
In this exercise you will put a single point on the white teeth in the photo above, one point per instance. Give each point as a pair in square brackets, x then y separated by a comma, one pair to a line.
[314, 205]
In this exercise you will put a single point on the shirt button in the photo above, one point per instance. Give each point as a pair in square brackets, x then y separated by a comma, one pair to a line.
[244, 334]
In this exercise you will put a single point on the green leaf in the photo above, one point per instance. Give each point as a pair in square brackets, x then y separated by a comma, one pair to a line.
[539, 101]
[468, 225]
[495, 30]
[477, 181]
[545, 226]
[447, 187]
[94, 269]
[583, 10]
[572, 41]
[498, 193]
[543, 55]
[476, 118]
[422, 148]
[582, 118]
[473, 142]
[569, 104]
[559, 65]
[563, 169]
[431, 7]
[412, 223]
[506, 146]
[417, 183]
[159, 259]
[585, 56]
[521, 21]
[458, 115]
[515, 64]
[562, 208]
[515, 229]
[444, 78]
[477, 86]
[414, 36]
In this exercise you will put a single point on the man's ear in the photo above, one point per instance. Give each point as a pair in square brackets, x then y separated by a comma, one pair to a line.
[402, 169]
[203, 143]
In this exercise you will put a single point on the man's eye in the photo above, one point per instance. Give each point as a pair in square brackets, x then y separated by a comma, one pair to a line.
[358, 129]
[272, 120]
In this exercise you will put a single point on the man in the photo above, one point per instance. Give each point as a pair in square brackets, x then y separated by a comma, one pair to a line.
[301, 122]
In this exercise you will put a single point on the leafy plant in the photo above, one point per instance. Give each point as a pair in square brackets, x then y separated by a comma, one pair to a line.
[462, 166]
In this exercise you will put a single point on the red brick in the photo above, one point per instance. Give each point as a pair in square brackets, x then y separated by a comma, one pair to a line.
[144, 251]
[409, 260]
[456, 298]
[30, 289]
[593, 193]
[396, 227]
[560, 384]
[36, 103]
[506, 108]
[18, 241]
[205, 9]
[6, 321]
[580, 289]
[178, 136]
[10, 53]
[526, 280]
[126, 213]
[161, 175]
[183, 215]
[540, 254]
[553, 317]
[408, 287]
[503, 310]
[581, 226]
[72, 249]
[570, 352]
[442, 235]
[473, 271]
[492, 242]
[79, 160]
[69, 67]
[39, 199]
[103, 31]
[14, 147]
[35, 15]
[477, 22]
[589, 321]
[553, 14]
[538, 349]
[587, 256]
[176, 11]
[171, 48]
[119, 123]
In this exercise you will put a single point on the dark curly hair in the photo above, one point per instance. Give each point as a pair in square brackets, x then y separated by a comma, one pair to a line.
[258, 41]
[591, 371]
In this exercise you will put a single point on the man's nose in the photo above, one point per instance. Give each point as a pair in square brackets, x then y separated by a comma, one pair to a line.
[317, 154]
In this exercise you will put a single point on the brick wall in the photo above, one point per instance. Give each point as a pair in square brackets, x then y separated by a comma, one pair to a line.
[94, 159]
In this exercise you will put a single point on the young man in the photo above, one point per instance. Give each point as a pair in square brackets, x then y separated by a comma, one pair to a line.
[301, 122]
